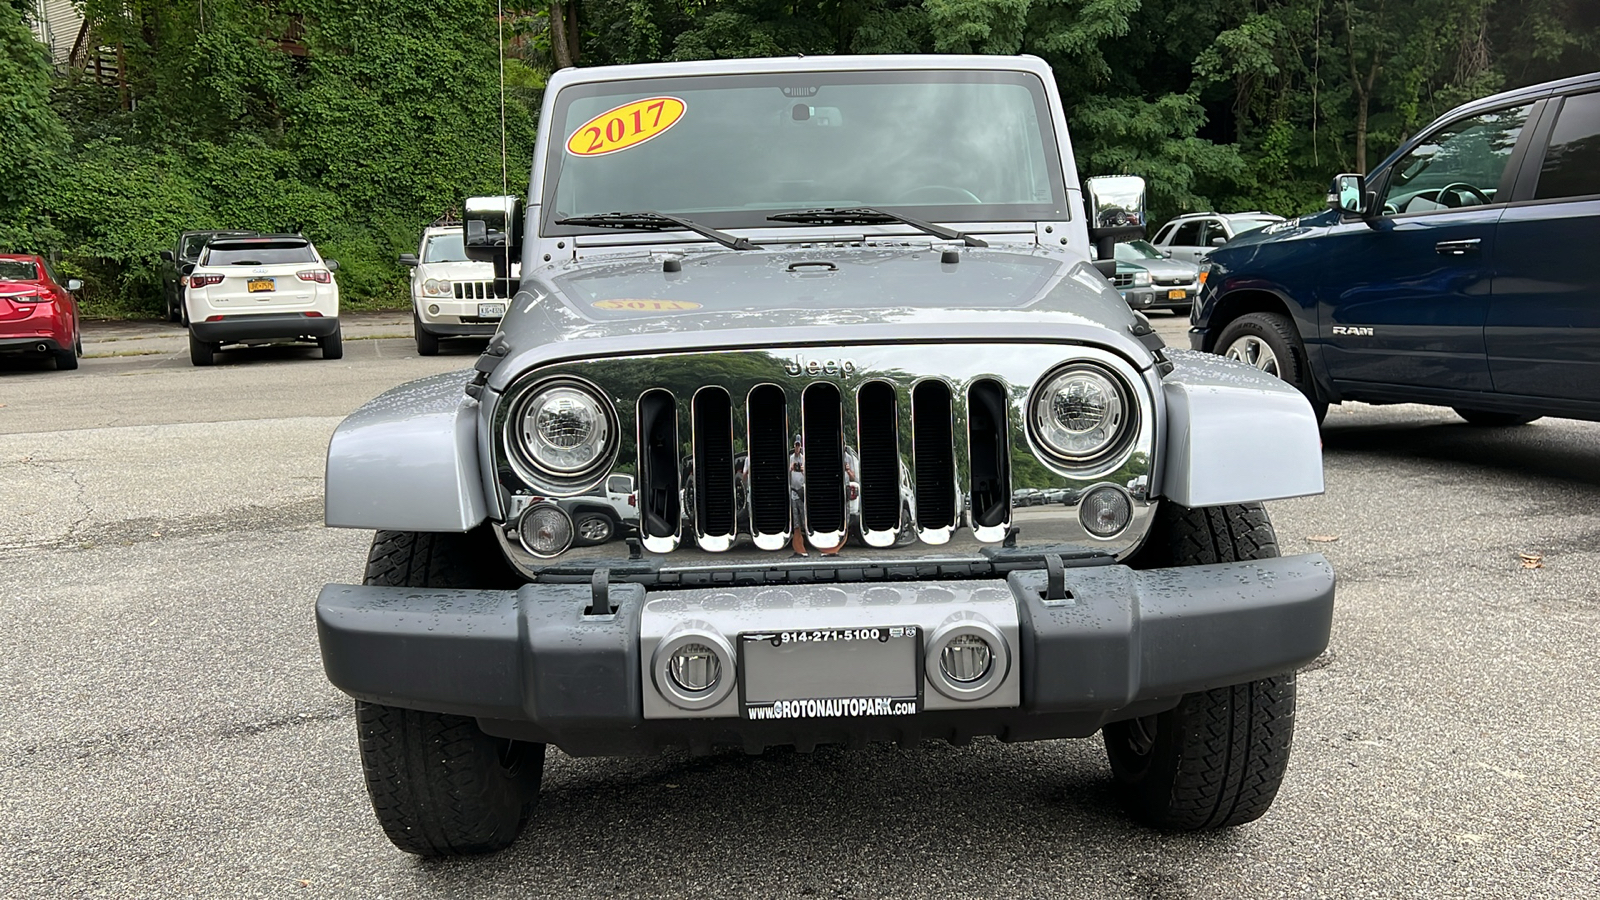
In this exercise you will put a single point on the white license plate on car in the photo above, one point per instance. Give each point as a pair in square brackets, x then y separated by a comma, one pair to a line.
[830, 673]
[491, 310]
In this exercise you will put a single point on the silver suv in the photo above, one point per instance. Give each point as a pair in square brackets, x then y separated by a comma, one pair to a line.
[1193, 236]
[899, 463]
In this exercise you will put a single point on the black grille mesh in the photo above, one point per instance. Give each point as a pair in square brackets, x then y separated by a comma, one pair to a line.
[713, 462]
[880, 457]
[824, 458]
[932, 455]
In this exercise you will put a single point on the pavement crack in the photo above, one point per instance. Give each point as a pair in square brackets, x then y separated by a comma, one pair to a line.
[145, 740]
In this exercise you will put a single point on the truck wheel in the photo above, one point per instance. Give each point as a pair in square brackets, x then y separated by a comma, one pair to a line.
[1217, 759]
[1269, 342]
[1484, 419]
[594, 528]
[438, 785]
[427, 344]
[200, 352]
[332, 345]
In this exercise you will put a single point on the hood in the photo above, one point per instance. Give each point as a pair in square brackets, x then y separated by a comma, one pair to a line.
[1168, 268]
[1250, 245]
[747, 297]
[462, 270]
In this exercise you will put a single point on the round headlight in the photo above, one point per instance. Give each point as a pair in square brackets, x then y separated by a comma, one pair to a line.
[443, 286]
[1083, 413]
[566, 429]
[431, 286]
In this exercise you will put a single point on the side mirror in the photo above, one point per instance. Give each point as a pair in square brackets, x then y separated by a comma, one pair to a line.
[75, 285]
[1167, 254]
[1218, 241]
[1116, 210]
[1348, 195]
[332, 264]
[166, 256]
[186, 269]
[493, 234]
[409, 259]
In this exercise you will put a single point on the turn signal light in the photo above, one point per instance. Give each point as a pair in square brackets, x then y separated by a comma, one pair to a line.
[320, 276]
[204, 280]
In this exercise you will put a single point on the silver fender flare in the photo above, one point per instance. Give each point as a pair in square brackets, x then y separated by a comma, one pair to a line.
[1236, 434]
[408, 460]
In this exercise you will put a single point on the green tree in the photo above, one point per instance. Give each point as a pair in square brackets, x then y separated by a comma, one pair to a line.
[33, 141]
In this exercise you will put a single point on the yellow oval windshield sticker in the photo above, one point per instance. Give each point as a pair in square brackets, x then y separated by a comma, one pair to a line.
[645, 305]
[628, 125]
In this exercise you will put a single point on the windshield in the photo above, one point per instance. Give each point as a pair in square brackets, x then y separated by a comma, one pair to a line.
[727, 151]
[17, 270]
[1245, 226]
[1133, 251]
[445, 248]
[262, 253]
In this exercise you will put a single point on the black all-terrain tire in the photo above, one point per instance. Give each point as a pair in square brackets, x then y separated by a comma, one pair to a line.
[332, 345]
[1278, 333]
[427, 344]
[200, 352]
[1485, 419]
[438, 784]
[1218, 758]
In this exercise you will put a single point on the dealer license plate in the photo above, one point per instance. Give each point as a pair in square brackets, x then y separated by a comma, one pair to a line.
[1177, 295]
[830, 673]
[257, 285]
[491, 310]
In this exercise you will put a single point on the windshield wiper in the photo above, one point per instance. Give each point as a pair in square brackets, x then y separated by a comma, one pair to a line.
[655, 221]
[869, 215]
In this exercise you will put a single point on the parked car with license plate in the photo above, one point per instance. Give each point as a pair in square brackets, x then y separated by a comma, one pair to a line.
[451, 295]
[38, 312]
[1171, 283]
[261, 289]
[1458, 273]
[184, 253]
[902, 464]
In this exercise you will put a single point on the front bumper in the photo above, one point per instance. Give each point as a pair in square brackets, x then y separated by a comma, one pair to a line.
[530, 664]
[264, 327]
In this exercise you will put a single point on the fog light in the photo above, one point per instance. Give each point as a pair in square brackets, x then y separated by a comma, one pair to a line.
[694, 668]
[1105, 512]
[545, 531]
[966, 658]
[433, 309]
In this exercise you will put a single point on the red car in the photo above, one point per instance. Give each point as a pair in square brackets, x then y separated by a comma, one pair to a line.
[38, 316]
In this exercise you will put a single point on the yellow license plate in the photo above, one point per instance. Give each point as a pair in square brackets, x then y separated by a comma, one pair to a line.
[1171, 295]
[256, 285]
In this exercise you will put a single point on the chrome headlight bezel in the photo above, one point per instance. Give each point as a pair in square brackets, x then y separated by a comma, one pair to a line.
[541, 470]
[1107, 454]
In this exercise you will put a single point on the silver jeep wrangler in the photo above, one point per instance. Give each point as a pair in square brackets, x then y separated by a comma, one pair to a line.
[879, 454]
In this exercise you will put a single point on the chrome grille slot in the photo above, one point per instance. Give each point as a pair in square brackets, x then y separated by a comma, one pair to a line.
[990, 459]
[713, 469]
[933, 460]
[658, 469]
[822, 422]
[768, 461]
[878, 431]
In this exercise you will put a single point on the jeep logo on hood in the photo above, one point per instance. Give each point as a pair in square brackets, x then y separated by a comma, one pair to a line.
[799, 365]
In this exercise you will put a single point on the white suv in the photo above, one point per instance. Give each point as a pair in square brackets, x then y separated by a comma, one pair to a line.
[1192, 237]
[261, 289]
[451, 296]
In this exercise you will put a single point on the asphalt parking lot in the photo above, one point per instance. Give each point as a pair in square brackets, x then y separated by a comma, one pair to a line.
[165, 728]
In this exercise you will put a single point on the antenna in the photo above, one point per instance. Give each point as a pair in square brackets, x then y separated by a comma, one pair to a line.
[500, 24]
